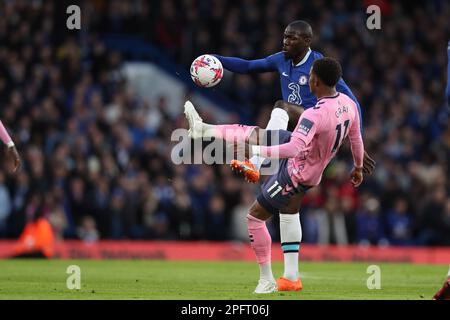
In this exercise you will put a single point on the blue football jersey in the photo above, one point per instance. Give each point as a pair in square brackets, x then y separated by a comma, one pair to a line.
[294, 78]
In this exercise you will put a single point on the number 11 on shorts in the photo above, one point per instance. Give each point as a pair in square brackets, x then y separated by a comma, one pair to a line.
[277, 190]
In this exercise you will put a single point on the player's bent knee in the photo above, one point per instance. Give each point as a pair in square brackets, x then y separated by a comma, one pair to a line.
[293, 206]
[280, 104]
[257, 211]
[292, 209]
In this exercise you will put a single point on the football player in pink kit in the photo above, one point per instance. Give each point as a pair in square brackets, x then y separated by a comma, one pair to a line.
[12, 154]
[304, 154]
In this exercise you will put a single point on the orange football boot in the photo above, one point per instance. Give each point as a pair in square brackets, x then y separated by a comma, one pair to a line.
[289, 285]
[247, 169]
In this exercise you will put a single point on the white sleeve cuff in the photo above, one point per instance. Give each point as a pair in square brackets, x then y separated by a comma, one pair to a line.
[10, 144]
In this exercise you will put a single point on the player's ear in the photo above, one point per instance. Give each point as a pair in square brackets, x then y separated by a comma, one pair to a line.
[316, 82]
[308, 41]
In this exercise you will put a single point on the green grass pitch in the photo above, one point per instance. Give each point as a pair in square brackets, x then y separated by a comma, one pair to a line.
[157, 280]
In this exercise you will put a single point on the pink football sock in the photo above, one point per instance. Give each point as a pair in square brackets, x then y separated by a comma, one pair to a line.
[233, 132]
[260, 239]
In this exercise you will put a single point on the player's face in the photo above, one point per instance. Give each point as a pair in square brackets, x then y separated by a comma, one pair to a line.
[295, 42]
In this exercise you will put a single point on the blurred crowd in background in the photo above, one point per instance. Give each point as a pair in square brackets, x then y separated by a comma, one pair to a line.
[98, 166]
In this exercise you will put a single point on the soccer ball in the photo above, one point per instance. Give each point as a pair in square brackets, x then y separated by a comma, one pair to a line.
[206, 71]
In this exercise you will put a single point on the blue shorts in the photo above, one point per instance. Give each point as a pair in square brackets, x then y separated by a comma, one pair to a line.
[277, 190]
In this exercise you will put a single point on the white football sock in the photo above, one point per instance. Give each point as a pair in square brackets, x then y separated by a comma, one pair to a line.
[291, 236]
[279, 119]
[265, 271]
[448, 274]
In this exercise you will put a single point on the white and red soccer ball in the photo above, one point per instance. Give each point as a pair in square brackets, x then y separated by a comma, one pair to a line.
[206, 71]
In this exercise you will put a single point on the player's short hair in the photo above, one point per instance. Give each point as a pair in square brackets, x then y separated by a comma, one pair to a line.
[302, 26]
[328, 70]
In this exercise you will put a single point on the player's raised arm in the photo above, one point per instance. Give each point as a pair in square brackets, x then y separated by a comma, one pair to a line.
[239, 65]
[12, 153]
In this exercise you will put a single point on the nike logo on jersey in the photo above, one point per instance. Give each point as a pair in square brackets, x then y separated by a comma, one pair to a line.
[285, 74]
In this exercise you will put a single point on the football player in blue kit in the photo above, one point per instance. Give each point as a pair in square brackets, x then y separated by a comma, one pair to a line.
[293, 64]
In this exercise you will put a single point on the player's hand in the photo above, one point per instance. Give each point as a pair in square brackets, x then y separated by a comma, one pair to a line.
[13, 157]
[356, 177]
[368, 164]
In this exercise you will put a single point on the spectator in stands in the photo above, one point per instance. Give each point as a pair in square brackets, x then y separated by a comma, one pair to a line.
[398, 221]
[87, 231]
[239, 230]
[369, 226]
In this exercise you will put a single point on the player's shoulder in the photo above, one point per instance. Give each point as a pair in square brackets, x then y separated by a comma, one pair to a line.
[345, 98]
[314, 112]
[320, 108]
[316, 55]
[312, 117]
[276, 59]
[276, 56]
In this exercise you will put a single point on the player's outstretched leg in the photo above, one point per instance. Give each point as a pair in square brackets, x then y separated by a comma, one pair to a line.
[227, 132]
